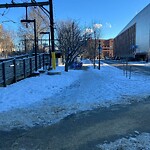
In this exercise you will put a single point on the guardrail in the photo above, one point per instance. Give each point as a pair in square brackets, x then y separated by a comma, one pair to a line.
[14, 70]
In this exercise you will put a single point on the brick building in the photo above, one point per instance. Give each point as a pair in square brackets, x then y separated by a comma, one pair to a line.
[107, 47]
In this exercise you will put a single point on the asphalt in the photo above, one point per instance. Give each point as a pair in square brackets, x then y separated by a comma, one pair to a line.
[82, 131]
[129, 67]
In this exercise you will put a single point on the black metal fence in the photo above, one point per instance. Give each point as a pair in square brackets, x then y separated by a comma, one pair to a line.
[16, 69]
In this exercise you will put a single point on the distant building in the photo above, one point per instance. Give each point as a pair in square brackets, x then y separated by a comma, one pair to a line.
[133, 41]
[107, 47]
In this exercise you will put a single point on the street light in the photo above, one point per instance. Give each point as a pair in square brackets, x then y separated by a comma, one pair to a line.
[95, 30]
[94, 48]
[49, 47]
[99, 50]
[35, 42]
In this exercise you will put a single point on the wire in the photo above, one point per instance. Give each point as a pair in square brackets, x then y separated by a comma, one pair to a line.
[5, 12]
[25, 1]
[8, 19]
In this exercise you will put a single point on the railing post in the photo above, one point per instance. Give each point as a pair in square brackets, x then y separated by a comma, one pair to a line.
[24, 68]
[31, 66]
[40, 61]
[15, 73]
[4, 74]
[43, 61]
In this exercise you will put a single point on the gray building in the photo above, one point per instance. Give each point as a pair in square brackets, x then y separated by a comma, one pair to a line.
[134, 40]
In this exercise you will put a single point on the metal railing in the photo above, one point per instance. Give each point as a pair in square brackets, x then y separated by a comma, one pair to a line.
[16, 69]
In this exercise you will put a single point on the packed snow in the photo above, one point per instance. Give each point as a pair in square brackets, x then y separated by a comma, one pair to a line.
[45, 99]
[139, 142]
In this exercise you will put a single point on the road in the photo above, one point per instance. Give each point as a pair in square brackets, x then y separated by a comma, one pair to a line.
[82, 131]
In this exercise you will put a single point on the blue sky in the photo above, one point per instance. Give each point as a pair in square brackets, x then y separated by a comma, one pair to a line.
[112, 14]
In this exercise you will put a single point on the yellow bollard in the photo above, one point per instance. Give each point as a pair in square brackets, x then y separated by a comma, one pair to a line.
[53, 60]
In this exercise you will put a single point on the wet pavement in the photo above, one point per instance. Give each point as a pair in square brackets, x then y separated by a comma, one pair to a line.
[130, 68]
[82, 131]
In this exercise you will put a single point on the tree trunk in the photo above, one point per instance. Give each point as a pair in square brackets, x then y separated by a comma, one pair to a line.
[66, 66]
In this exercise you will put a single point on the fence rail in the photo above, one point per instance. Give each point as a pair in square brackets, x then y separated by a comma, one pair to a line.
[15, 69]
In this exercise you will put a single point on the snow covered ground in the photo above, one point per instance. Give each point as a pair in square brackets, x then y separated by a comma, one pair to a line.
[46, 99]
[35, 89]
[106, 86]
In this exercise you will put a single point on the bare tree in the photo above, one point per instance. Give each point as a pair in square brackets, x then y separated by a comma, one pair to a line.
[92, 46]
[89, 50]
[71, 41]
[6, 42]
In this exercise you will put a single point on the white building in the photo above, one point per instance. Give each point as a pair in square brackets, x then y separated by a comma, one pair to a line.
[134, 39]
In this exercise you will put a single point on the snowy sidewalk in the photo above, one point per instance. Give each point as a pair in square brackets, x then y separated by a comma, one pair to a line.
[46, 99]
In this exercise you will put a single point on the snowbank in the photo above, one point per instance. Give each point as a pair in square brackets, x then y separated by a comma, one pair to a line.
[35, 89]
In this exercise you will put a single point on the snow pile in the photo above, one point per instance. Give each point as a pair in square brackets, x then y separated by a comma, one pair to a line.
[35, 89]
[140, 142]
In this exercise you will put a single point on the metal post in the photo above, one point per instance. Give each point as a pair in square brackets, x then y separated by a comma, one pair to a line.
[26, 16]
[42, 45]
[25, 44]
[49, 51]
[51, 24]
[126, 67]
[43, 61]
[99, 47]
[15, 71]
[35, 44]
[24, 68]
[52, 33]
[4, 74]
[94, 49]
[30, 65]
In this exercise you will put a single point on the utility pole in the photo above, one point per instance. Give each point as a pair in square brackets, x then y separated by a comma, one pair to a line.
[50, 13]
